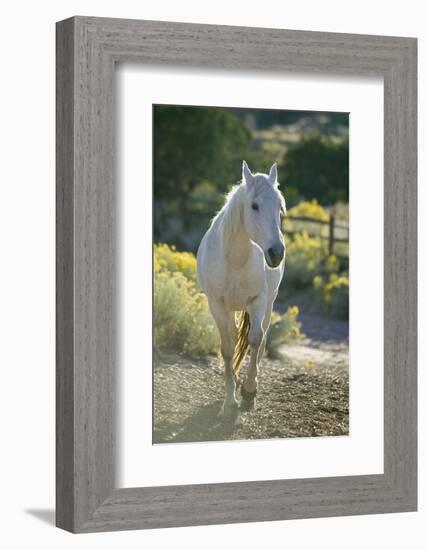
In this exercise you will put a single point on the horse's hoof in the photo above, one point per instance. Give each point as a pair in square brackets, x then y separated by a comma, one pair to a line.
[248, 405]
[229, 409]
[248, 402]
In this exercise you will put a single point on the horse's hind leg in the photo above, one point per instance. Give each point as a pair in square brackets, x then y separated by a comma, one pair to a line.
[223, 321]
[256, 336]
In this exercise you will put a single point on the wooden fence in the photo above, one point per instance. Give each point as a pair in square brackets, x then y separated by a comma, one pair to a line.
[332, 235]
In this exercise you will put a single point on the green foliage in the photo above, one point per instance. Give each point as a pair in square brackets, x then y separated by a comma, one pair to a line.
[318, 166]
[307, 209]
[283, 329]
[328, 122]
[307, 257]
[182, 320]
[192, 144]
[205, 199]
[310, 268]
[333, 294]
[310, 209]
[166, 258]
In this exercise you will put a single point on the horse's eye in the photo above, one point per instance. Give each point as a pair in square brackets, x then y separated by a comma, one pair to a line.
[254, 206]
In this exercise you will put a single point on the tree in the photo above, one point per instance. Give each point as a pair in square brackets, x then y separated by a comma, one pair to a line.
[318, 167]
[192, 144]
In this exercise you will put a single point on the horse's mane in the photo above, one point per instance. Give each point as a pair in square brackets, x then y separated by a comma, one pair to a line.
[229, 217]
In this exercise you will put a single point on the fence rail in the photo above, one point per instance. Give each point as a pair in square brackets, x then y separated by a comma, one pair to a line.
[342, 225]
[332, 226]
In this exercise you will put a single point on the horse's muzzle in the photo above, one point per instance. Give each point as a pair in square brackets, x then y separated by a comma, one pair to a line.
[275, 255]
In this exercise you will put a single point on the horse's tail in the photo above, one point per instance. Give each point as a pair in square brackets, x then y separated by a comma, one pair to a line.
[241, 346]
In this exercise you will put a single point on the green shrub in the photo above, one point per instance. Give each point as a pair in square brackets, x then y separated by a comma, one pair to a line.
[333, 294]
[319, 166]
[309, 209]
[307, 257]
[205, 198]
[283, 329]
[166, 258]
[181, 317]
[182, 320]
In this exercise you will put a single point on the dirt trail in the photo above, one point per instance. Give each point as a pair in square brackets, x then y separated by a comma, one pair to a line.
[302, 393]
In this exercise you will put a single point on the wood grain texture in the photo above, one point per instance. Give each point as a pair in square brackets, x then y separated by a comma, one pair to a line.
[87, 50]
[64, 276]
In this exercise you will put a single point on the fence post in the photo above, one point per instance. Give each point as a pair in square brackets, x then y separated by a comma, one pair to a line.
[331, 235]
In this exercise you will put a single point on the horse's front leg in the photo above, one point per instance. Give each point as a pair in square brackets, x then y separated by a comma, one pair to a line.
[266, 323]
[256, 310]
[223, 321]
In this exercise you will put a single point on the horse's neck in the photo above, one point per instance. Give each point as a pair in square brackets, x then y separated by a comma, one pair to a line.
[237, 248]
[236, 242]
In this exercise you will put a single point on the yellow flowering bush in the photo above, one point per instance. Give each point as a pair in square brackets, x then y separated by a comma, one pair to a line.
[307, 257]
[182, 320]
[283, 329]
[166, 258]
[332, 264]
[309, 209]
[333, 294]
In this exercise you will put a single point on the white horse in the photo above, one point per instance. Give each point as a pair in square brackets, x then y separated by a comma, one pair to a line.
[240, 264]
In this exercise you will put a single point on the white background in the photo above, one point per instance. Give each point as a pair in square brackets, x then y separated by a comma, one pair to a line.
[27, 273]
[144, 464]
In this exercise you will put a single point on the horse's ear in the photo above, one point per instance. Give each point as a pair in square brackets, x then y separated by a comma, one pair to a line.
[247, 176]
[273, 174]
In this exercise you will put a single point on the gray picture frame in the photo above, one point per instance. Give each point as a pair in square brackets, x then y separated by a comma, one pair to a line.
[87, 51]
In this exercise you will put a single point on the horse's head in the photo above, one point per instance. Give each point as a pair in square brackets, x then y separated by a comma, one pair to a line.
[262, 213]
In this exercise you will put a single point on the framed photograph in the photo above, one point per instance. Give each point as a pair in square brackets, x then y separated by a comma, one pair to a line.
[236, 274]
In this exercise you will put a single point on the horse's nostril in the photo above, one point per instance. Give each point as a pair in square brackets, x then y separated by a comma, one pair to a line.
[276, 253]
